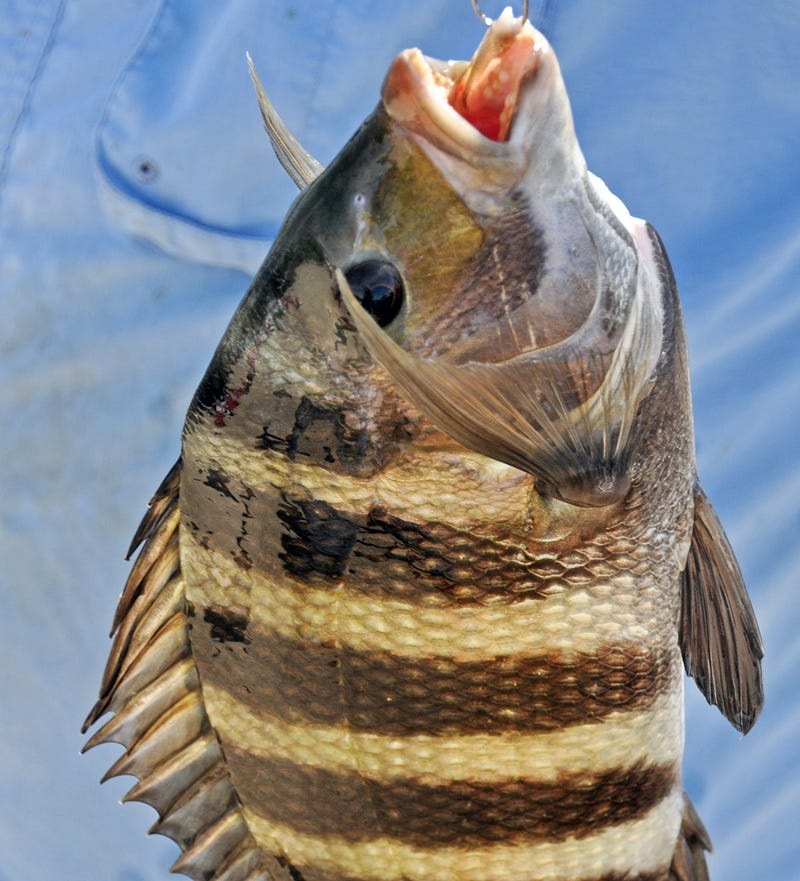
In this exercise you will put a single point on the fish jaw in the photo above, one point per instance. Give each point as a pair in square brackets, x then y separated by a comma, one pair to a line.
[490, 122]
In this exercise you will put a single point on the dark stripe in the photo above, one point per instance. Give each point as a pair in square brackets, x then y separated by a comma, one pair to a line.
[301, 872]
[317, 540]
[430, 562]
[317, 544]
[462, 812]
[655, 875]
[389, 694]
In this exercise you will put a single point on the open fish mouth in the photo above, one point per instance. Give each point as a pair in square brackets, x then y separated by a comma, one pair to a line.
[479, 108]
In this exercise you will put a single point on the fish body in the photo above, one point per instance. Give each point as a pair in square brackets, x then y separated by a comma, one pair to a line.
[416, 601]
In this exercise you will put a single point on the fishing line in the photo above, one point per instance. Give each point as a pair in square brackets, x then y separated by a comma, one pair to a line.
[487, 20]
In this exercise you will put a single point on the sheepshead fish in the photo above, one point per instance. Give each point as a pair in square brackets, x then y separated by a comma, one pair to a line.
[416, 601]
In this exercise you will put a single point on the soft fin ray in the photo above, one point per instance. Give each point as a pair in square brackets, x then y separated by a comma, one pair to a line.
[689, 859]
[719, 634]
[298, 163]
[518, 411]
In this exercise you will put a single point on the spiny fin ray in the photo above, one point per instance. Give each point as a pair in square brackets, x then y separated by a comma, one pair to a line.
[213, 846]
[165, 785]
[152, 687]
[211, 796]
[164, 500]
[141, 711]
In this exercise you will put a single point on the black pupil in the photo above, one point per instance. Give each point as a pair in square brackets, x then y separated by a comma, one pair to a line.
[377, 285]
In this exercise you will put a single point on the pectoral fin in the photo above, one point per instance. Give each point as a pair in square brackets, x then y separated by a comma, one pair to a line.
[518, 411]
[720, 639]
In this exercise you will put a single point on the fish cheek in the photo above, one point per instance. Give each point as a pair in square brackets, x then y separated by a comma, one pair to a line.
[418, 220]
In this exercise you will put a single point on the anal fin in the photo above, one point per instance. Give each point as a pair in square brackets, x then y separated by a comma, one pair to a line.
[689, 859]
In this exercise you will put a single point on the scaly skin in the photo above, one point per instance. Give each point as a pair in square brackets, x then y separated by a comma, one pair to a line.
[409, 608]
[433, 672]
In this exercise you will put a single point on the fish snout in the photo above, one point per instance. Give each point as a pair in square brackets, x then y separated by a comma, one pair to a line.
[486, 113]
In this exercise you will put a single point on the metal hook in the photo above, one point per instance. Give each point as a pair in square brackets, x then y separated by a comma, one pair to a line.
[487, 20]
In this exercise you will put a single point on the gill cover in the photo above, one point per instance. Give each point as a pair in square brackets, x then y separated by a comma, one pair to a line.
[519, 411]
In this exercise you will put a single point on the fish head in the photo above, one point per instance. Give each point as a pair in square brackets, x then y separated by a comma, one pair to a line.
[456, 270]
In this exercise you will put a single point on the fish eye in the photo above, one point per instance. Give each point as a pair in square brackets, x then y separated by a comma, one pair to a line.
[377, 285]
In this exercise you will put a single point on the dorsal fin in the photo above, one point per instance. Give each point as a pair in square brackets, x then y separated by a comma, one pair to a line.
[298, 163]
[152, 687]
[719, 634]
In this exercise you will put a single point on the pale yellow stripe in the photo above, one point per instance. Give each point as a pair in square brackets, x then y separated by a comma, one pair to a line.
[580, 619]
[621, 740]
[640, 846]
[437, 484]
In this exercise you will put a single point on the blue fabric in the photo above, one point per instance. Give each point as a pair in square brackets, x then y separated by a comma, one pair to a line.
[137, 188]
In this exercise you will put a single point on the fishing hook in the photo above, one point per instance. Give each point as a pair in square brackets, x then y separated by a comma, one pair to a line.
[485, 18]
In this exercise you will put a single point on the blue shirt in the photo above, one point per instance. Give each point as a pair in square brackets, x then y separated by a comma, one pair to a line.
[138, 190]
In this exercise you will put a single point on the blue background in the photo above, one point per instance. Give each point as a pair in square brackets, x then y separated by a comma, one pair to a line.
[137, 190]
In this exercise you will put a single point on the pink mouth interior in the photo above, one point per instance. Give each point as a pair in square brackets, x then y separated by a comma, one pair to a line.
[486, 93]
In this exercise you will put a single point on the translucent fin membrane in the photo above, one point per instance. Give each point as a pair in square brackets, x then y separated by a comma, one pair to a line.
[523, 411]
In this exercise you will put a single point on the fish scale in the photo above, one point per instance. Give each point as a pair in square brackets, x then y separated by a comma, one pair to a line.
[422, 692]
[311, 675]
[416, 601]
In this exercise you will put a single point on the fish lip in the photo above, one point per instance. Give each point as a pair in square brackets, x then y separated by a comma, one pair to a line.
[418, 91]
